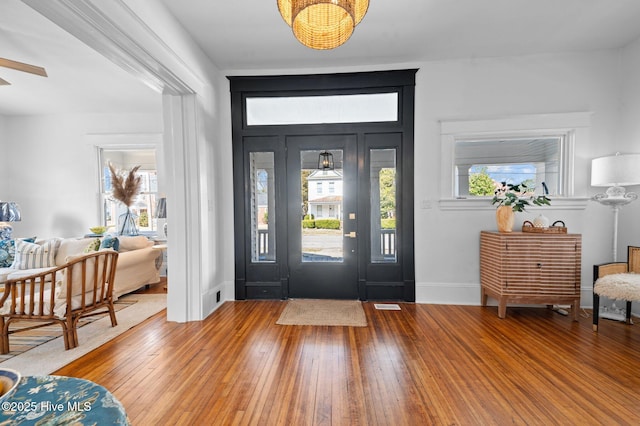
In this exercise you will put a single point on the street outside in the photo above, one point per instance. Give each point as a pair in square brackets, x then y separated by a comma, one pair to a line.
[322, 242]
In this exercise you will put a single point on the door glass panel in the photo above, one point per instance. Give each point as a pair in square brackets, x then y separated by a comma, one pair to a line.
[322, 211]
[383, 206]
[263, 226]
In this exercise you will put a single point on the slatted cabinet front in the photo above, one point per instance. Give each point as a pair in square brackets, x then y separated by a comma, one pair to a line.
[526, 268]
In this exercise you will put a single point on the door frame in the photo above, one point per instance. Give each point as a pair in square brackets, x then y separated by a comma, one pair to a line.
[375, 281]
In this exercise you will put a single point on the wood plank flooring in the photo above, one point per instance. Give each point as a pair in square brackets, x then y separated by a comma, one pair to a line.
[425, 364]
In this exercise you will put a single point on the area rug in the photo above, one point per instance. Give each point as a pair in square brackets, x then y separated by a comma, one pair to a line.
[323, 312]
[24, 341]
[48, 356]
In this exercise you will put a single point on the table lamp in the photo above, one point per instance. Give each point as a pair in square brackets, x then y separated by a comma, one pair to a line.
[615, 172]
[161, 213]
[9, 212]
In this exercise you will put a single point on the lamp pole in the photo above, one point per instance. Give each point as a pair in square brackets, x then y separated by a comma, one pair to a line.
[616, 210]
[616, 201]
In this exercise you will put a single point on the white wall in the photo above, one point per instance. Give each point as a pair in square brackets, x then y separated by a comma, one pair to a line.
[629, 142]
[447, 242]
[53, 172]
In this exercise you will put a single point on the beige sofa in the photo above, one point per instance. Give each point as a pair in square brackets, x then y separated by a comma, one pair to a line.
[138, 263]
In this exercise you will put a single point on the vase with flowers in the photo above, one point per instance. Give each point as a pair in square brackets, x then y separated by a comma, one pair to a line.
[126, 186]
[512, 198]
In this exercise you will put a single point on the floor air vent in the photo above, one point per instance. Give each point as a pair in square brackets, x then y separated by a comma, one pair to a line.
[387, 306]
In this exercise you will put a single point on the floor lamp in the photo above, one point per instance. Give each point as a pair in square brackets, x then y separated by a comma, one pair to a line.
[615, 172]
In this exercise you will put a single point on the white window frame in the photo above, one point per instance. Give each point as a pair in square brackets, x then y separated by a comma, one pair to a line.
[105, 196]
[124, 141]
[573, 127]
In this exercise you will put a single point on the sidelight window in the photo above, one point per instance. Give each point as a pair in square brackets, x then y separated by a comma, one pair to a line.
[263, 247]
[383, 206]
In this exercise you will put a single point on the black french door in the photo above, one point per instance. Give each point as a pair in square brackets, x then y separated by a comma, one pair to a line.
[306, 231]
[322, 255]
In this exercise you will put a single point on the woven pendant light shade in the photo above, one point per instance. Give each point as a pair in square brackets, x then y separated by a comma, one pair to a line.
[322, 24]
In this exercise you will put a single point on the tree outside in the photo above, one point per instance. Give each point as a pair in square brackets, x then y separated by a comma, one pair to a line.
[304, 175]
[387, 193]
[481, 183]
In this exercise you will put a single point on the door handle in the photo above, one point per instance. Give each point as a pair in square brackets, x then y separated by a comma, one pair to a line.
[351, 234]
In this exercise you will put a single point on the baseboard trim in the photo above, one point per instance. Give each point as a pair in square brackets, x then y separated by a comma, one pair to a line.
[469, 294]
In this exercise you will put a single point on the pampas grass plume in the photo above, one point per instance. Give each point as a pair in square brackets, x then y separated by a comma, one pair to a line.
[126, 185]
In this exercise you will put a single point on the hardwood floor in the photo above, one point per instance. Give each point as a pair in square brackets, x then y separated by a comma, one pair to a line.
[425, 364]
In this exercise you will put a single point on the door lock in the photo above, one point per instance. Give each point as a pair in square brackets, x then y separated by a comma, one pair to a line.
[351, 234]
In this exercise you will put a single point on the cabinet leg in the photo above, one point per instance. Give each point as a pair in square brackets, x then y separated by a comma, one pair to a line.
[483, 297]
[502, 308]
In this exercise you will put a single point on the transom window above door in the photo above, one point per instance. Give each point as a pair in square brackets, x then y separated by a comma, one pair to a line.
[330, 109]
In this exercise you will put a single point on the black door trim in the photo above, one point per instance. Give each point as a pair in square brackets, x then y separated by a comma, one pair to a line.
[399, 286]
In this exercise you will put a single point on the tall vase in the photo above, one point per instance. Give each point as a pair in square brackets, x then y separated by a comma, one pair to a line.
[127, 223]
[505, 218]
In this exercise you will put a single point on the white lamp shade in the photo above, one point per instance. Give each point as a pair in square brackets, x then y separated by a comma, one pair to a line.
[616, 170]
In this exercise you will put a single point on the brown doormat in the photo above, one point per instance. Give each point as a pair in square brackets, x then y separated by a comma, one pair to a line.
[323, 312]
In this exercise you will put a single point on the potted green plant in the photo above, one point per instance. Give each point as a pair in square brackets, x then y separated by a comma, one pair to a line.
[512, 198]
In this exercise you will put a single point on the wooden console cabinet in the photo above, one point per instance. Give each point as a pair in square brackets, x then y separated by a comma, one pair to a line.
[534, 268]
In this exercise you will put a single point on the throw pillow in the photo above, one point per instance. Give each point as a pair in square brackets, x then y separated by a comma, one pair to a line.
[110, 243]
[31, 256]
[69, 246]
[94, 245]
[134, 243]
[8, 251]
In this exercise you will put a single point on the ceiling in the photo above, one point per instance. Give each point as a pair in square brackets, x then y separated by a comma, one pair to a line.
[249, 37]
[79, 79]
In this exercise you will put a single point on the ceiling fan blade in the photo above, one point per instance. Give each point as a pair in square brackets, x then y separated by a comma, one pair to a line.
[4, 82]
[20, 66]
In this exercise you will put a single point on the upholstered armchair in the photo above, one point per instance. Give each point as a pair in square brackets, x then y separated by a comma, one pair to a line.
[82, 286]
[619, 281]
